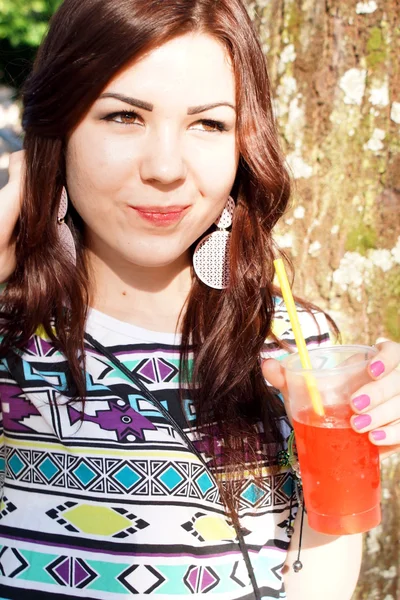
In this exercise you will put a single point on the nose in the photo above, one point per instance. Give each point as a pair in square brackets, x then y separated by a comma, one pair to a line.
[162, 161]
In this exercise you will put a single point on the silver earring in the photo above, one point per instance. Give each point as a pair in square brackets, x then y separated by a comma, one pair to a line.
[64, 232]
[211, 257]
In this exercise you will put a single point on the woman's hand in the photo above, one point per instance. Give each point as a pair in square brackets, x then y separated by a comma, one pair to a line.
[10, 206]
[376, 404]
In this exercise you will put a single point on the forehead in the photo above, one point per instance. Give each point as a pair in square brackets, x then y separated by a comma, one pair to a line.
[186, 70]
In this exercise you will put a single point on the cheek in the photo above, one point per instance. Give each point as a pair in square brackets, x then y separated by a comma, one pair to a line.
[96, 166]
[216, 170]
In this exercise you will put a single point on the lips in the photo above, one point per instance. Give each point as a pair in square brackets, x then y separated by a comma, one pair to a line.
[161, 215]
[160, 210]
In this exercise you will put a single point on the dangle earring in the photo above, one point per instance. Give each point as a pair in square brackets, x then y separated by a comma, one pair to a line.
[64, 232]
[211, 257]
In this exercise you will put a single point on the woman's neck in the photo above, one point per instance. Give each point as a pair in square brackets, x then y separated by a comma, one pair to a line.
[149, 297]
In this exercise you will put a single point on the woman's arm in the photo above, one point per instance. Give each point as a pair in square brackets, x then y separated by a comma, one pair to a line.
[10, 205]
[331, 565]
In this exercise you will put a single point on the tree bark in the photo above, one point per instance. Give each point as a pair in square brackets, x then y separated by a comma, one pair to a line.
[334, 67]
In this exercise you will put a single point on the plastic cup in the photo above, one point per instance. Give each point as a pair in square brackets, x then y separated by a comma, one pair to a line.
[339, 468]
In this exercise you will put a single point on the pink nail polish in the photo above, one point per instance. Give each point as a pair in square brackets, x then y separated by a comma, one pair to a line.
[361, 402]
[377, 368]
[378, 435]
[362, 421]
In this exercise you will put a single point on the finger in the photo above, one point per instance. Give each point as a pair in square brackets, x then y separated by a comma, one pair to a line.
[387, 359]
[375, 393]
[384, 414]
[386, 436]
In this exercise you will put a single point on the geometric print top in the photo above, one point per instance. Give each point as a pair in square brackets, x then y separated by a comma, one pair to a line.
[114, 505]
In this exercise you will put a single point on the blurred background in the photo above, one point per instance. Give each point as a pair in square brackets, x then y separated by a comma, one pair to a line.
[335, 72]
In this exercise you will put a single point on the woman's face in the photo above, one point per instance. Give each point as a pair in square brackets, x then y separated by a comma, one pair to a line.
[152, 164]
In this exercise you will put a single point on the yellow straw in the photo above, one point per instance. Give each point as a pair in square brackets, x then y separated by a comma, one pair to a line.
[298, 335]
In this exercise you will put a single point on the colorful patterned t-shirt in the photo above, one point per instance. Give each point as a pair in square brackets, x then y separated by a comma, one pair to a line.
[114, 505]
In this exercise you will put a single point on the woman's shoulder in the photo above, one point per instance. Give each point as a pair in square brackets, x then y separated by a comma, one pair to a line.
[314, 325]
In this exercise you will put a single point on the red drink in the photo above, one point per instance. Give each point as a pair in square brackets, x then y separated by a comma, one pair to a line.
[340, 472]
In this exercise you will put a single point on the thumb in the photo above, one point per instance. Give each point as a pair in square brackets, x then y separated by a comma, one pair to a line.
[274, 373]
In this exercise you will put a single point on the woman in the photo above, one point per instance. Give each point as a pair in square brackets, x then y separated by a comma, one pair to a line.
[141, 441]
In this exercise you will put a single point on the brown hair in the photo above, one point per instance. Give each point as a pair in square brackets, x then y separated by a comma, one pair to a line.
[88, 43]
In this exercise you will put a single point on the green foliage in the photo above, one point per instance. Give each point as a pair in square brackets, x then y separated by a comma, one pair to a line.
[361, 238]
[24, 22]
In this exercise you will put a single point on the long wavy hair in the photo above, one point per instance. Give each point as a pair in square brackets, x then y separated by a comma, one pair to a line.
[88, 43]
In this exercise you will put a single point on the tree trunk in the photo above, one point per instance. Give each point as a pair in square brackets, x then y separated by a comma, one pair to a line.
[334, 67]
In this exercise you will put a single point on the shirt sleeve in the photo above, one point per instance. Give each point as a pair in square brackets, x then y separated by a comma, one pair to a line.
[314, 326]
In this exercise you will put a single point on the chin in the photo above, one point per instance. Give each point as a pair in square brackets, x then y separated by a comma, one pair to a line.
[155, 260]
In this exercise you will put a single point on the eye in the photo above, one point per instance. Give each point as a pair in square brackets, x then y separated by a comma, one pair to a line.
[210, 125]
[124, 118]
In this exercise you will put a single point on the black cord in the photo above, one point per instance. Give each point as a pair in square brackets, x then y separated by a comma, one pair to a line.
[298, 565]
[149, 396]
[290, 528]
[301, 532]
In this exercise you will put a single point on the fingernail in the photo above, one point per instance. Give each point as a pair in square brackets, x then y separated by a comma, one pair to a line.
[361, 402]
[377, 368]
[362, 421]
[378, 435]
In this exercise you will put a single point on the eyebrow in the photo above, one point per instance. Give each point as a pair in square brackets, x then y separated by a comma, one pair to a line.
[128, 100]
[193, 110]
